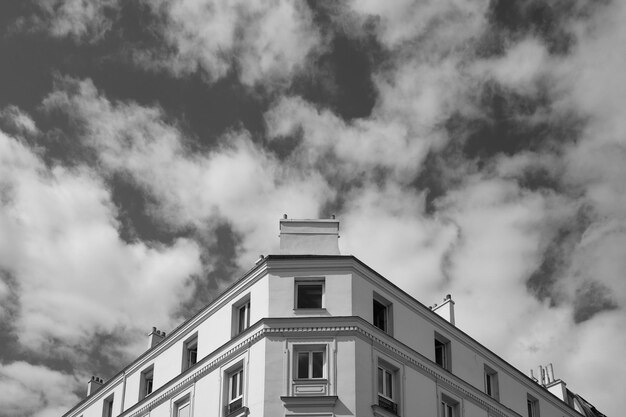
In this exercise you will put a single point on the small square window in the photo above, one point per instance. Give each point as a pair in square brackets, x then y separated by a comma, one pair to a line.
[442, 352]
[190, 352]
[146, 383]
[309, 294]
[532, 405]
[310, 364]
[107, 407]
[491, 383]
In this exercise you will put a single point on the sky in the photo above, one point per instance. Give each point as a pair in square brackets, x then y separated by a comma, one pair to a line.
[468, 147]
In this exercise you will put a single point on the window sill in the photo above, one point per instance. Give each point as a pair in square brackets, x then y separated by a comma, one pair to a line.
[240, 412]
[310, 400]
[382, 412]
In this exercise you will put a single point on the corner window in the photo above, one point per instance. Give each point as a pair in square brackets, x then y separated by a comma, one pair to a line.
[182, 408]
[235, 390]
[310, 364]
[449, 406]
[309, 294]
[190, 352]
[491, 383]
[387, 383]
[442, 352]
[146, 383]
[241, 315]
[107, 407]
[533, 406]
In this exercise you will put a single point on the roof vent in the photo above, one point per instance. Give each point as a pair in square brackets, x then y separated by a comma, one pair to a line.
[309, 237]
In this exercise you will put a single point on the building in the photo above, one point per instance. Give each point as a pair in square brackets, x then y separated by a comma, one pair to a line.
[309, 332]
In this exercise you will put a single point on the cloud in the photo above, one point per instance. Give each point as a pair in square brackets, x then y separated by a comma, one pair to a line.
[199, 189]
[35, 391]
[81, 20]
[266, 42]
[75, 277]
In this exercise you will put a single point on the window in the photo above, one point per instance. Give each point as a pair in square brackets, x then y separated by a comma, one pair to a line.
[146, 383]
[190, 352]
[310, 364]
[491, 383]
[241, 315]
[449, 406]
[382, 314]
[442, 352]
[309, 294]
[309, 369]
[183, 407]
[387, 390]
[235, 390]
[533, 406]
[107, 407]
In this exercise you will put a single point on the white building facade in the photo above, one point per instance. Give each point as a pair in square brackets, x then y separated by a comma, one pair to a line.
[310, 332]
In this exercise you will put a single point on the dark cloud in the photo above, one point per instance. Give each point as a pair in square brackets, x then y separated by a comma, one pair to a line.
[592, 298]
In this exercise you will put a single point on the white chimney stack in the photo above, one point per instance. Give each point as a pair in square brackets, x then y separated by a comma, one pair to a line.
[155, 337]
[309, 237]
[445, 309]
[94, 385]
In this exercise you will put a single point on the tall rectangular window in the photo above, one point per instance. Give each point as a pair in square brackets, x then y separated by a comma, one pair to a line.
[146, 383]
[310, 364]
[380, 315]
[442, 352]
[533, 406]
[243, 317]
[107, 407]
[235, 390]
[387, 389]
[491, 383]
[449, 407]
[190, 352]
[309, 294]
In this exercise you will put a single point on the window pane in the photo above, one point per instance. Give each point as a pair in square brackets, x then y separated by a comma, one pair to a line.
[380, 315]
[389, 384]
[242, 318]
[318, 364]
[233, 387]
[440, 353]
[183, 410]
[380, 381]
[309, 296]
[240, 383]
[303, 364]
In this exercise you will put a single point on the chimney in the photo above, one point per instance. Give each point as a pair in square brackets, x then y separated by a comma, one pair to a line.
[309, 237]
[155, 337]
[94, 385]
[445, 309]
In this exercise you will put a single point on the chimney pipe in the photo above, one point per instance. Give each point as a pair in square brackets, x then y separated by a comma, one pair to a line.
[94, 384]
[550, 373]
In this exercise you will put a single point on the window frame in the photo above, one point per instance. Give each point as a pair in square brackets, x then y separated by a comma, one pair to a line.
[241, 304]
[492, 387]
[391, 375]
[107, 406]
[388, 313]
[443, 343]
[234, 371]
[178, 404]
[190, 350]
[448, 403]
[310, 363]
[146, 382]
[309, 282]
[532, 406]
[302, 387]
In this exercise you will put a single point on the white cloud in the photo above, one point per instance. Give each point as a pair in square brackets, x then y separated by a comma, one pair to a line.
[76, 277]
[35, 391]
[268, 41]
